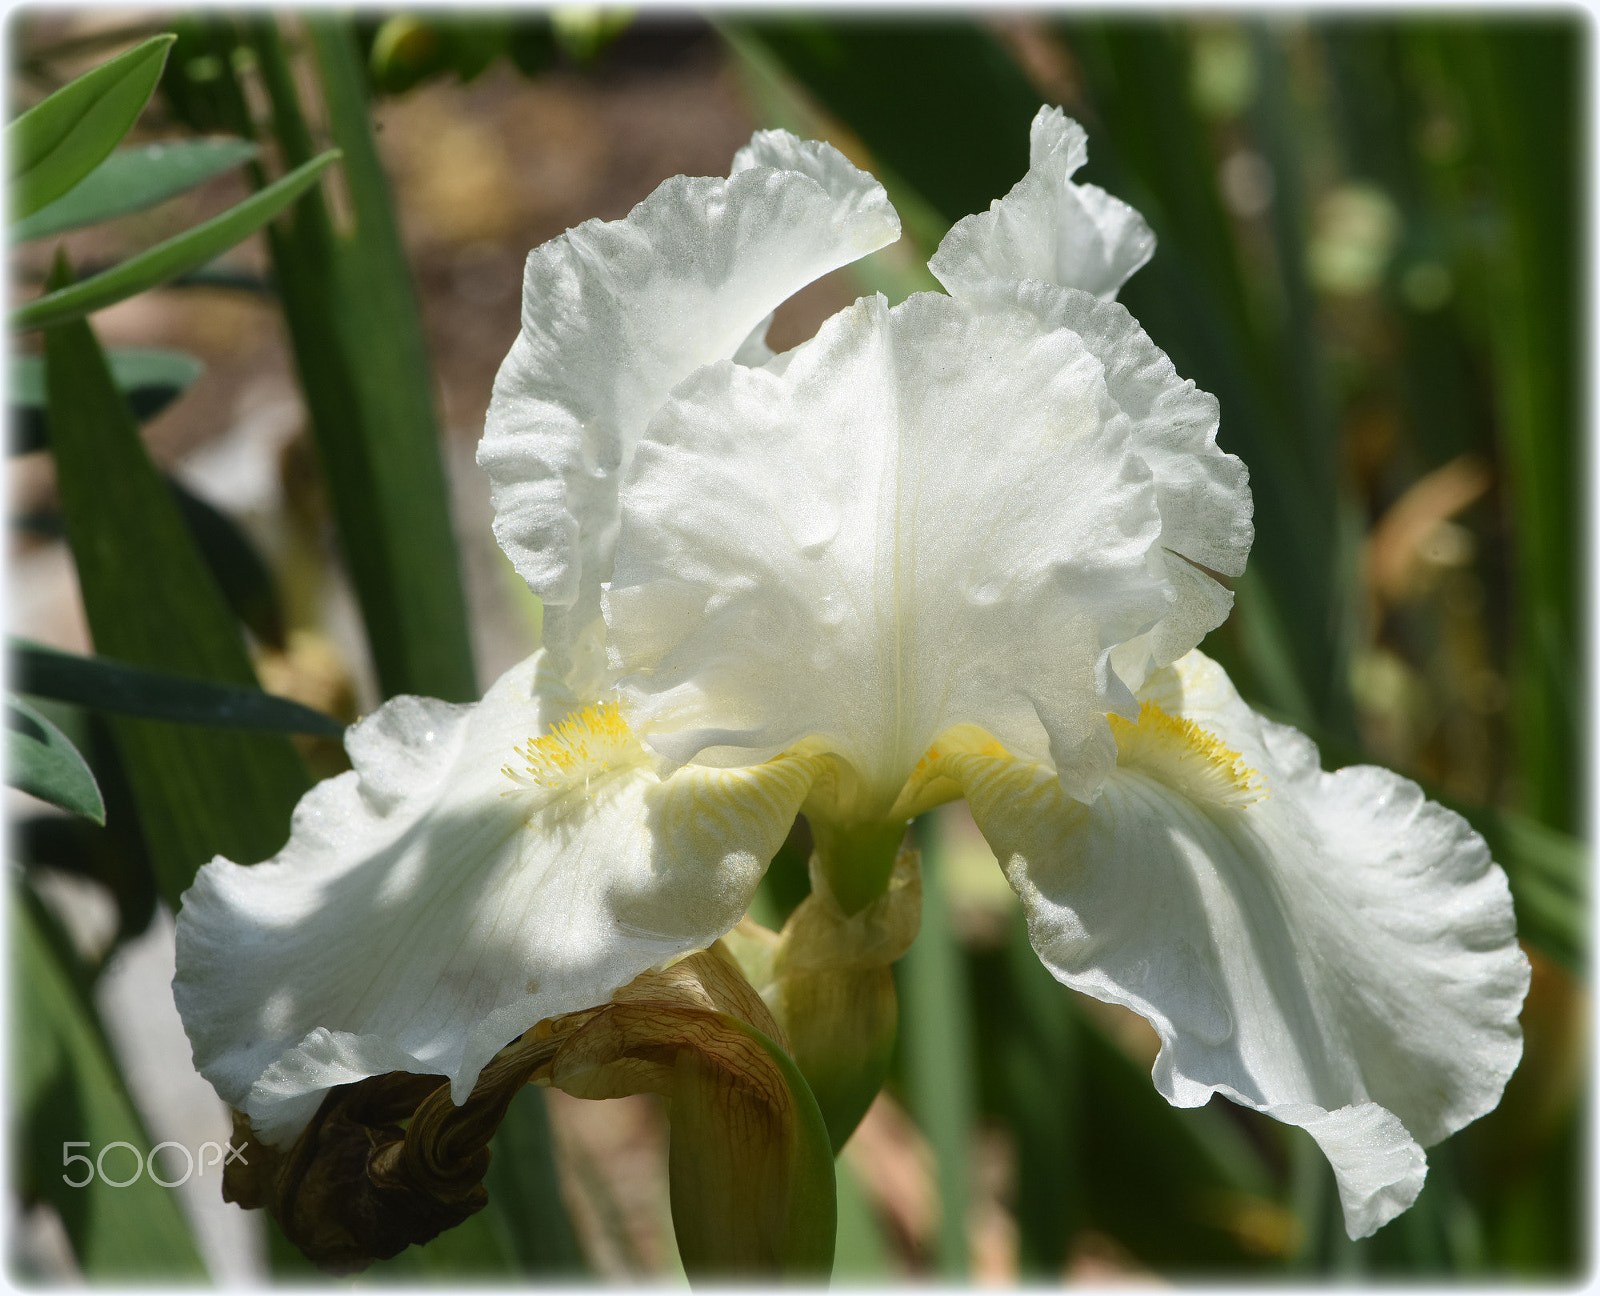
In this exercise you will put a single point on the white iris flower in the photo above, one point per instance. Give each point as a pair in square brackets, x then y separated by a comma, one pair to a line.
[957, 547]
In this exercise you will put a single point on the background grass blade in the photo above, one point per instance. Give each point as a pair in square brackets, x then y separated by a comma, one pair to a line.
[525, 1206]
[56, 143]
[1526, 80]
[43, 763]
[242, 573]
[363, 362]
[169, 259]
[159, 695]
[66, 1087]
[132, 179]
[113, 856]
[151, 602]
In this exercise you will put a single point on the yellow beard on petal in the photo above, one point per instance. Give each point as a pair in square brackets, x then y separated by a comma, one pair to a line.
[1181, 754]
[587, 744]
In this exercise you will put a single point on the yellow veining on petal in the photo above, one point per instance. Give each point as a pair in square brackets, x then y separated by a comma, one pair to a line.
[1178, 752]
[586, 744]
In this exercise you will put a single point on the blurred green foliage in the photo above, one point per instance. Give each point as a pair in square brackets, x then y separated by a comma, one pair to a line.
[1370, 250]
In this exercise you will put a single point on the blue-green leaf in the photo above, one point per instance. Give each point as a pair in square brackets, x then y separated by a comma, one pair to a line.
[133, 179]
[44, 764]
[150, 378]
[105, 685]
[168, 260]
[151, 602]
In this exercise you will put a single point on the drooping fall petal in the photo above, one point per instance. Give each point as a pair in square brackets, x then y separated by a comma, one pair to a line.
[474, 873]
[1331, 949]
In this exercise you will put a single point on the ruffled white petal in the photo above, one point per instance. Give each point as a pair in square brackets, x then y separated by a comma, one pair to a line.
[428, 909]
[1047, 228]
[920, 518]
[1338, 952]
[1202, 493]
[615, 314]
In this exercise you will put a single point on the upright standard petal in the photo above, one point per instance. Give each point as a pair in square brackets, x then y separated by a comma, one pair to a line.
[923, 517]
[1202, 493]
[480, 869]
[615, 314]
[1331, 949]
[1047, 228]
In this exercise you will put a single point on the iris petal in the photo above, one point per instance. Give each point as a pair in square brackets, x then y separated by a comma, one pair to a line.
[428, 908]
[1331, 949]
[615, 314]
[923, 517]
[1047, 228]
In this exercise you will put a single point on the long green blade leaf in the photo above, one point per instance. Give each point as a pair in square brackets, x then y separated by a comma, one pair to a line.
[132, 179]
[170, 259]
[43, 763]
[242, 573]
[69, 1100]
[159, 695]
[151, 602]
[363, 362]
[1530, 86]
[56, 143]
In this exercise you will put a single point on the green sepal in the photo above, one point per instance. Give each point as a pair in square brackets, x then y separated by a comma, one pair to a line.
[741, 1207]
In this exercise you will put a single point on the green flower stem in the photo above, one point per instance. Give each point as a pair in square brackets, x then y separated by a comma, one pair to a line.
[936, 1021]
[856, 859]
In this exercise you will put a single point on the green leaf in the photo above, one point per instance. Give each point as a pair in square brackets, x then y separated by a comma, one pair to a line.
[113, 856]
[106, 685]
[363, 363]
[55, 144]
[151, 602]
[171, 258]
[67, 1090]
[150, 378]
[1527, 84]
[242, 573]
[133, 179]
[44, 764]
